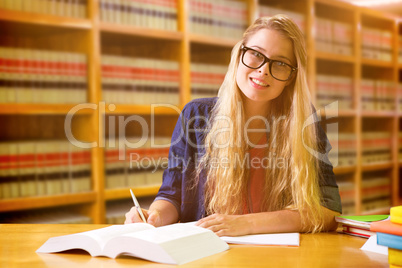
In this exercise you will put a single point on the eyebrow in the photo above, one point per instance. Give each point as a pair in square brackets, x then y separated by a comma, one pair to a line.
[278, 56]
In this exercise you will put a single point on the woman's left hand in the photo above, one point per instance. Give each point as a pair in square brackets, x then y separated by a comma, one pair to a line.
[226, 225]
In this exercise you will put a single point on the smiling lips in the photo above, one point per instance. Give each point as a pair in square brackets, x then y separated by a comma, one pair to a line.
[258, 82]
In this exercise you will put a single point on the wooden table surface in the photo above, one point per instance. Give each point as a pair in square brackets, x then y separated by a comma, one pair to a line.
[18, 243]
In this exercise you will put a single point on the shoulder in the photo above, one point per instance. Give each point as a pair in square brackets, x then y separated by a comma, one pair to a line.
[199, 108]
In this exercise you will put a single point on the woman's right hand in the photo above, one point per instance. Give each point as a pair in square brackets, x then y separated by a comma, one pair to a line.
[151, 216]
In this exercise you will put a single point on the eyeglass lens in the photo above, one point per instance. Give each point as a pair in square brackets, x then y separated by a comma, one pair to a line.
[254, 59]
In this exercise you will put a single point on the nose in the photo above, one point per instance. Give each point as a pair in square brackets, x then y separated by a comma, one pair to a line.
[264, 69]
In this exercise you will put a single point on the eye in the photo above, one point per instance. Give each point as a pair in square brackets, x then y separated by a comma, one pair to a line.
[257, 54]
[280, 63]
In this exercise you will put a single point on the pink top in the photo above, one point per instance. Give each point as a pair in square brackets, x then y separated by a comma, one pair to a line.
[257, 177]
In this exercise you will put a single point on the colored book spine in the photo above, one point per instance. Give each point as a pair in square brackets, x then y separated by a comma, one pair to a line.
[394, 256]
[396, 215]
[389, 240]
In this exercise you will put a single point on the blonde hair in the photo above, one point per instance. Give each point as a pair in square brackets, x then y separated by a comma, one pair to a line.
[295, 187]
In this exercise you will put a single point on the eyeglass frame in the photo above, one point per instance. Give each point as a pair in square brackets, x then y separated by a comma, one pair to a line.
[266, 59]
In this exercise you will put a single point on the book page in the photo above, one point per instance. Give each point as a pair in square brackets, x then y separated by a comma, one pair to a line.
[103, 235]
[285, 239]
[168, 233]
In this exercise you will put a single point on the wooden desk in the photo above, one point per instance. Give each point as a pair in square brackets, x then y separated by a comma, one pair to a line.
[18, 243]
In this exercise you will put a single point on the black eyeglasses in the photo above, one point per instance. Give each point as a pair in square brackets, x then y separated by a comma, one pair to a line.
[279, 70]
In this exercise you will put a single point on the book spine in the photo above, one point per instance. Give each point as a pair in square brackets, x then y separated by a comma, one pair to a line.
[394, 256]
[390, 241]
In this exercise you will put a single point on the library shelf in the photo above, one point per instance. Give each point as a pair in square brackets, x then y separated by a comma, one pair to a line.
[334, 57]
[155, 109]
[377, 63]
[36, 109]
[94, 38]
[122, 193]
[384, 211]
[46, 201]
[44, 19]
[341, 170]
[211, 40]
[141, 31]
[339, 113]
[377, 166]
[378, 114]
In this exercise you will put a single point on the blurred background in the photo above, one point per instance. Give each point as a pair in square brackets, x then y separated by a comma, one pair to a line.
[84, 68]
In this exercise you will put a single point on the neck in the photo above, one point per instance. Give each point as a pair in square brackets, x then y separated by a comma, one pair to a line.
[253, 108]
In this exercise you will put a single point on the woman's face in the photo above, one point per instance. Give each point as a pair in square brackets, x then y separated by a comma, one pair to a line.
[258, 84]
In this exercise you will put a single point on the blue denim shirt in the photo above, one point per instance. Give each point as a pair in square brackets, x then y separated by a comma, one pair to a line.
[187, 148]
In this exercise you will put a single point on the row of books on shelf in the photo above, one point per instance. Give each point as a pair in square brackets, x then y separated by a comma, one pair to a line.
[377, 95]
[333, 36]
[332, 88]
[376, 147]
[136, 167]
[220, 18]
[375, 192]
[42, 76]
[206, 79]
[376, 44]
[400, 49]
[157, 14]
[39, 168]
[140, 80]
[298, 18]
[68, 8]
[343, 149]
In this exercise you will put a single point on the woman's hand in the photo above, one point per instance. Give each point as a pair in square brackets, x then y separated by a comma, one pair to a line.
[227, 225]
[151, 216]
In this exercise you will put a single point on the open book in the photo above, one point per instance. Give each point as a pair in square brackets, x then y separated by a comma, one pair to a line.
[173, 244]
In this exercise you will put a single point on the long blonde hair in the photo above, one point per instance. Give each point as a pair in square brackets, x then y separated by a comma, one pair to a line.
[293, 187]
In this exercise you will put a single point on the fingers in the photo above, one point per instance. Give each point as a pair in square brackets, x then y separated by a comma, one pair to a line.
[154, 218]
[132, 216]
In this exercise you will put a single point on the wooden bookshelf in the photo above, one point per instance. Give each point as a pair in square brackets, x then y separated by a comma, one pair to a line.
[95, 38]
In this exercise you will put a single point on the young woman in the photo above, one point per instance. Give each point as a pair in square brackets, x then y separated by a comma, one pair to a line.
[250, 161]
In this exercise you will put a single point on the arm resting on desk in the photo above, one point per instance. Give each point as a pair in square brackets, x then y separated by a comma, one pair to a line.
[265, 222]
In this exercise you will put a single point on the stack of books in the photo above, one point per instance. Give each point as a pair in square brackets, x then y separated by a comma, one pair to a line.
[377, 44]
[298, 18]
[333, 36]
[219, 18]
[359, 225]
[68, 8]
[377, 147]
[156, 14]
[42, 76]
[389, 234]
[135, 167]
[141, 81]
[206, 79]
[331, 88]
[377, 95]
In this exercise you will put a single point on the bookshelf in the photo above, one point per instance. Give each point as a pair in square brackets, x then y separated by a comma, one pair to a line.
[350, 65]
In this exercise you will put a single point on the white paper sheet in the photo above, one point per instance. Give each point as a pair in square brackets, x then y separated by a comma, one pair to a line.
[283, 239]
[371, 245]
